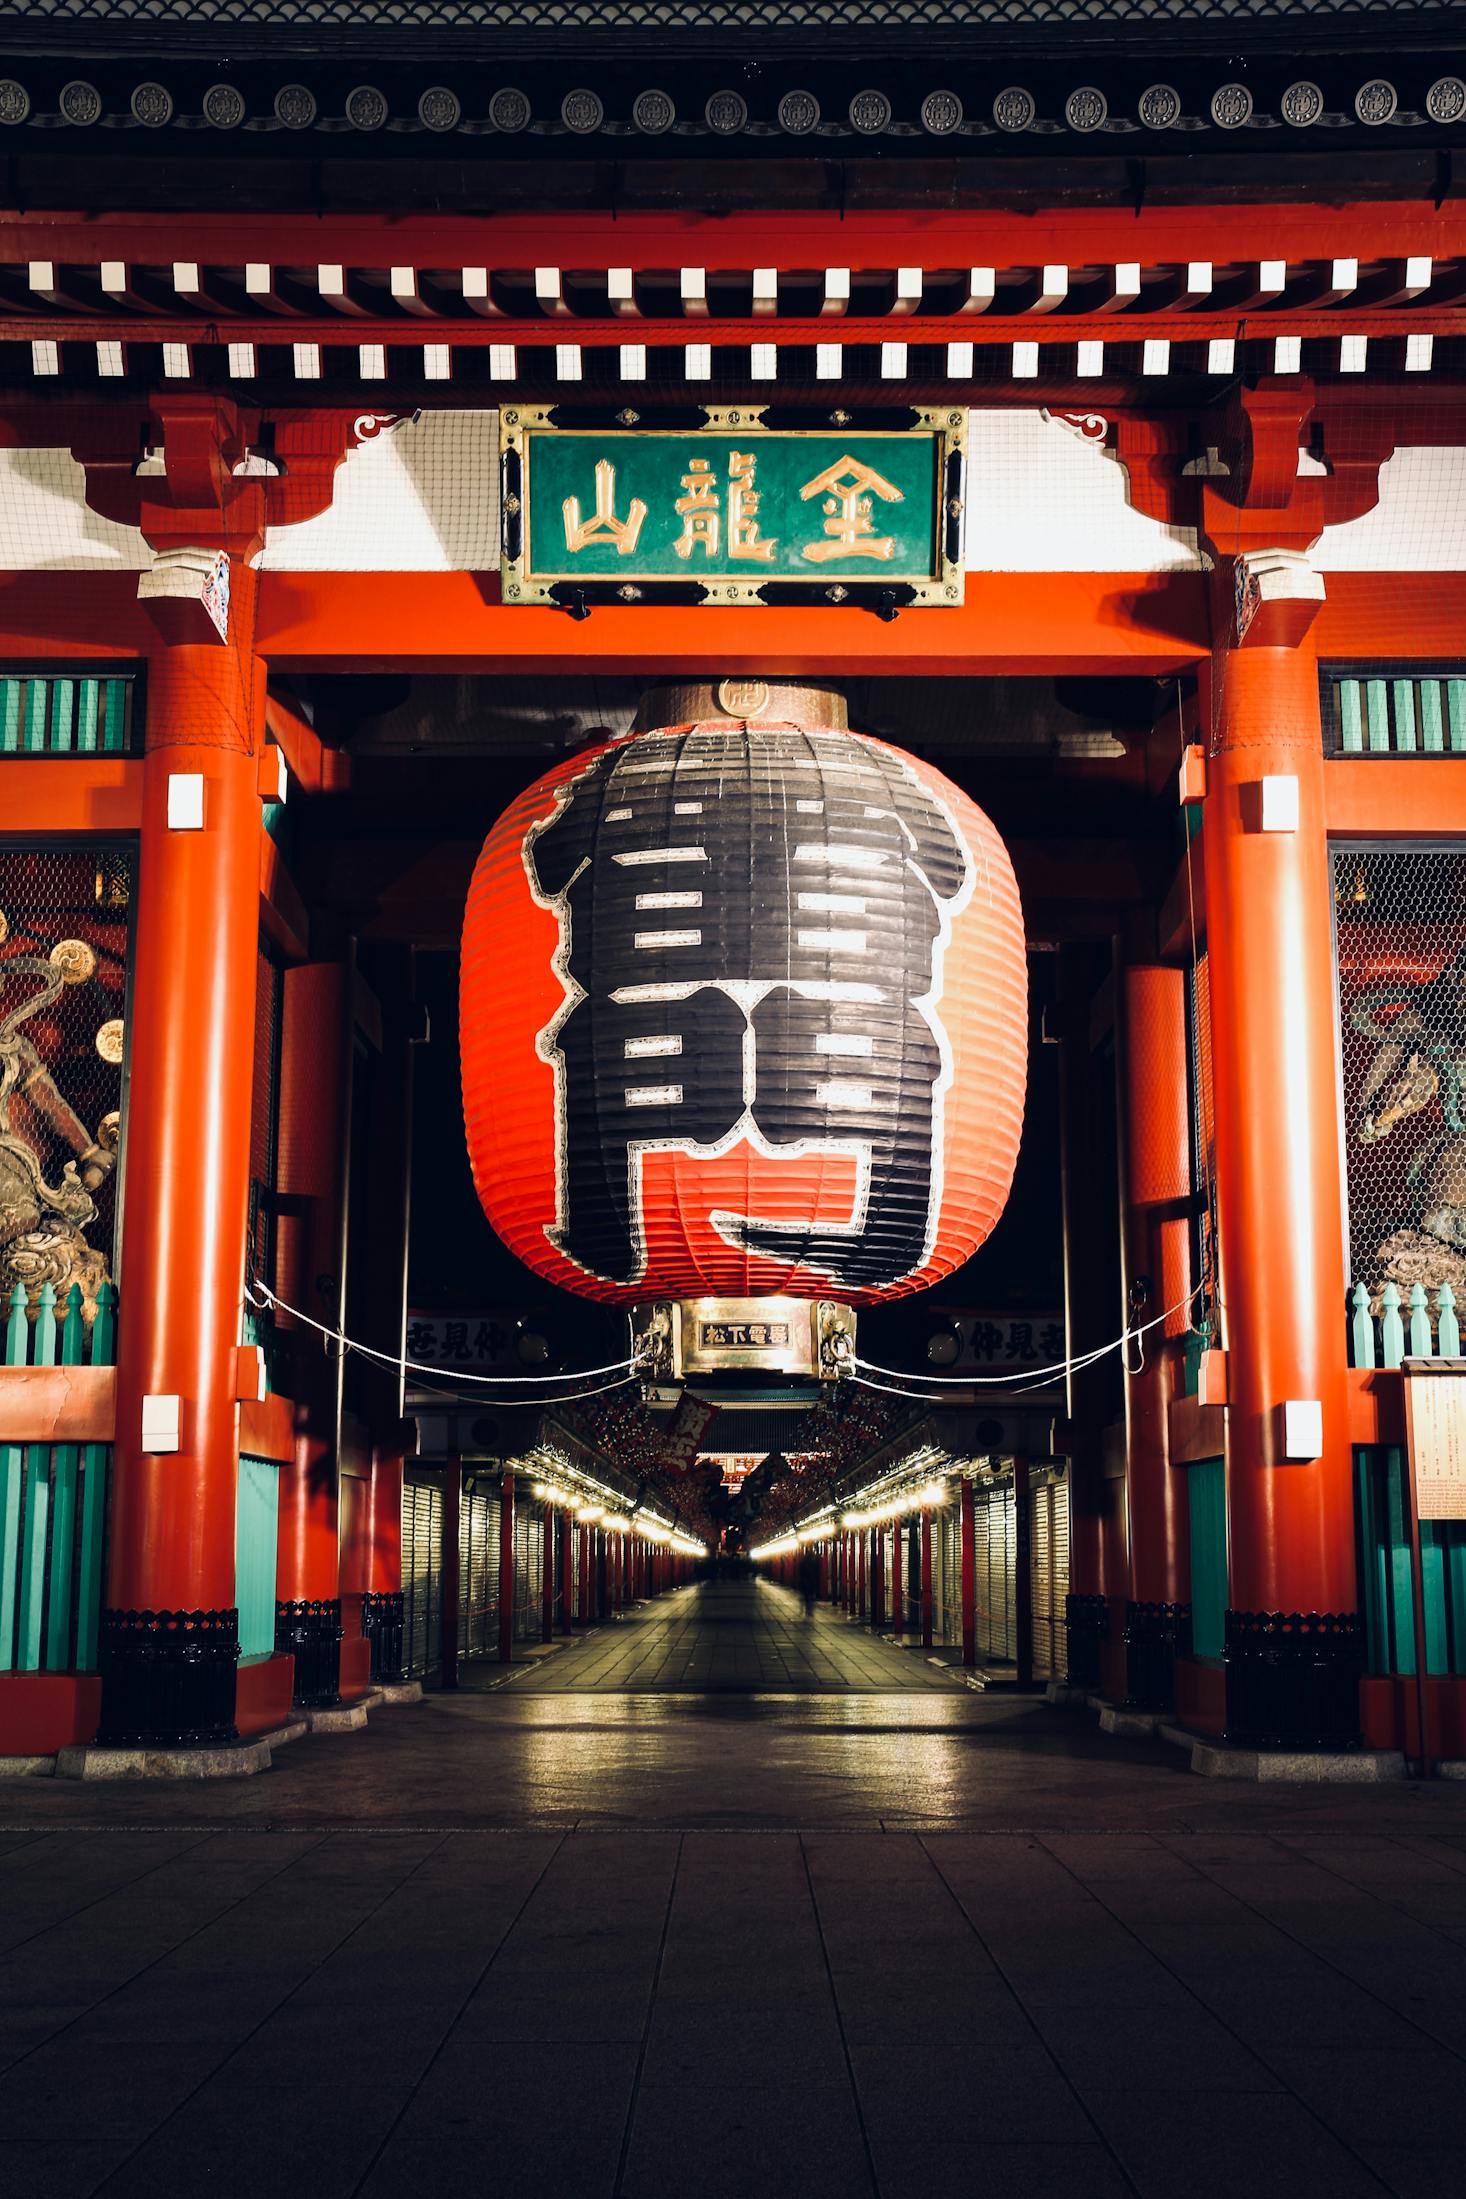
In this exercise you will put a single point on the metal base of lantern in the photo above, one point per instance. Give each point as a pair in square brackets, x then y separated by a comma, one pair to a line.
[168, 1678]
[814, 1338]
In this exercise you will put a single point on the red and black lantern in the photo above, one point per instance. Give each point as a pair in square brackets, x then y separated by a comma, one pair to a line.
[744, 1014]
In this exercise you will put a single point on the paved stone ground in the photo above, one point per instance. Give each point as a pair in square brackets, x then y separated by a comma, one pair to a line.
[734, 1637]
[620, 1946]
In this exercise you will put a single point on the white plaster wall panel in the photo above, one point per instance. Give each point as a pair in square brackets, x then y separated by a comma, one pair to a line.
[1418, 525]
[1040, 499]
[422, 497]
[45, 525]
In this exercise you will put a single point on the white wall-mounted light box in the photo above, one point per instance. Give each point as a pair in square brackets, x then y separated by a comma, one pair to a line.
[185, 801]
[162, 1424]
[1303, 1428]
[1279, 802]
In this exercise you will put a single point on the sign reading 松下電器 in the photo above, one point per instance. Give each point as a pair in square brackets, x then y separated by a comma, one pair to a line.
[733, 507]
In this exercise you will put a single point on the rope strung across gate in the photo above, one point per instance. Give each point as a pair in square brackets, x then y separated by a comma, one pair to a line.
[1023, 1379]
[261, 1297]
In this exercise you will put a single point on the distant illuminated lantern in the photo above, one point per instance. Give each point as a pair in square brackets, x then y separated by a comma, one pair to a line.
[744, 1011]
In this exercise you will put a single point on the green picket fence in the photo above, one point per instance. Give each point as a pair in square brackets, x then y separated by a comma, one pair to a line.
[1413, 1327]
[1388, 714]
[53, 1499]
[63, 714]
[1387, 1571]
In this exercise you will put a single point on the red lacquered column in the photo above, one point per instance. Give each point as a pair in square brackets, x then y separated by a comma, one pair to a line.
[506, 1565]
[314, 1050]
[1293, 1643]
[898, 1592]
[926, 1580]
[191, 1045]
[547, 1584]
[1155, 1155]
[968, 1521]
[383, 1599]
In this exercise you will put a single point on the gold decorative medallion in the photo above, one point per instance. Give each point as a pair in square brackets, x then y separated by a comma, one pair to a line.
[109, 1132]
[74, 959]
[743, 698]
[109, 1040]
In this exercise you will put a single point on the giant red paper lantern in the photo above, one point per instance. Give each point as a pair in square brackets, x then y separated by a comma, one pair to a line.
[743, 1014]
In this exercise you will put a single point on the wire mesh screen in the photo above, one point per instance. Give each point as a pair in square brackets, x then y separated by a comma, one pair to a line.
[63, 984]
[1400, 926]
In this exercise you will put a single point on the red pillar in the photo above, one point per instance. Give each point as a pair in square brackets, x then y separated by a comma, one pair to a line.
[567, 1573]
[1155, 1181]
[452, 1573]
[382, 1600]
[898, 1590]
[547, 1585]
[171, 1539]
[585, 1555]
[878, 1580]
[506, 1565]
[926, 1580]
[1086, 1169]
[1269, 935]
[314, 1053]
[862, 1541]
[969, 1572]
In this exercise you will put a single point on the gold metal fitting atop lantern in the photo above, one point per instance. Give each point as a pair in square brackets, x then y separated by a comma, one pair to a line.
[748, 701]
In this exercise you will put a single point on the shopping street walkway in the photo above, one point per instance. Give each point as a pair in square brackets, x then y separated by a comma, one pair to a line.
[617, 1945]
[734, 1636]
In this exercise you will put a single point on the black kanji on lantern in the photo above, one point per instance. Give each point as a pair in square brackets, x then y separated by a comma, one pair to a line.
[752, 925]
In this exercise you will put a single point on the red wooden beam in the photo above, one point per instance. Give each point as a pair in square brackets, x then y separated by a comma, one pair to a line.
[1387, 797]
[668, 239]
[51, 794]
[58, 1404]
[1011, 622]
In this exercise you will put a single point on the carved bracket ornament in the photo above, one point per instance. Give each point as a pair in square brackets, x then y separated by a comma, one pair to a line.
[193, 472]
[1234, 473]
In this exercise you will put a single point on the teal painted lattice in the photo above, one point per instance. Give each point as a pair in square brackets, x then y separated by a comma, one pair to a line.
[63, 714]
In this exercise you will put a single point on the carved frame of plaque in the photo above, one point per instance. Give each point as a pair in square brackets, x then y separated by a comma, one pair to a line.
[945, 425]
[700, 1336]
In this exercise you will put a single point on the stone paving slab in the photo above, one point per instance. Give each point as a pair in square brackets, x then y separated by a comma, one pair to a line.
[624, 2014]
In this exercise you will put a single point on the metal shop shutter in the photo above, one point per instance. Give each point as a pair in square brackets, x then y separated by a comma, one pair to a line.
[478, 1583]
[1049, 1570]
[947, 1588]
[422, 1574]
[996, 1544]
[529, 1579]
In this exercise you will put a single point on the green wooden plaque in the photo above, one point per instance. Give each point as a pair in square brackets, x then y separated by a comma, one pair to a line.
[733, 507]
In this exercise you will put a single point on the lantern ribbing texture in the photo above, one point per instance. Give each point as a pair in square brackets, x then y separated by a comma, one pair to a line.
[744, 1014]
